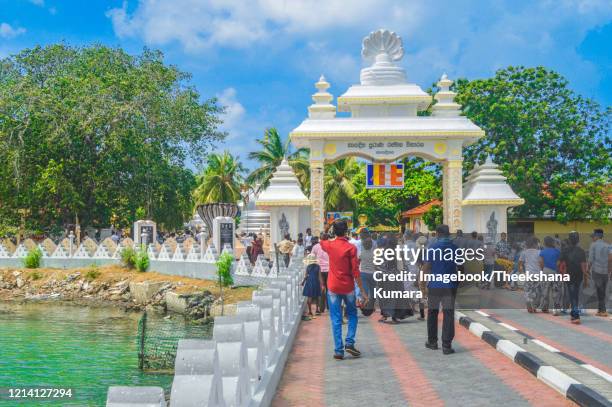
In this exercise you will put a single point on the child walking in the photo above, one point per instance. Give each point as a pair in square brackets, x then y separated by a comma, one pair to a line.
[313, 285]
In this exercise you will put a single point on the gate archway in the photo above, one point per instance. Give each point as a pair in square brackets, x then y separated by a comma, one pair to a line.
[384, 125]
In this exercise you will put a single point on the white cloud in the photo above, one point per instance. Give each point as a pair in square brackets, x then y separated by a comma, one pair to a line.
[197, 24]
[324, 35]
[324, 59]
[7, 31]
[287, 39]
[234, 112]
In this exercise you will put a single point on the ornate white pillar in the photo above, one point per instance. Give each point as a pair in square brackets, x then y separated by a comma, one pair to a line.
[445, 200]
[453, 194]
[316, 196]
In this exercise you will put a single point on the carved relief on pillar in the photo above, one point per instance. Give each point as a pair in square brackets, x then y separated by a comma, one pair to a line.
[445, 195]
[455, 193]
[316, 196]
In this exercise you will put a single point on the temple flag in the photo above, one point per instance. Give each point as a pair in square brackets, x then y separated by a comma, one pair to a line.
[389, 176]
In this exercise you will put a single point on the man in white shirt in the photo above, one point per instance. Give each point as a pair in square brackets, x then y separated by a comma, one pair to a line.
[308, 238]
[354, 240]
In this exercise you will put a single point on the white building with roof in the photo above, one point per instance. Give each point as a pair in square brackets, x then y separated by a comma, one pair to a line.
[486, 199]
[289, 208]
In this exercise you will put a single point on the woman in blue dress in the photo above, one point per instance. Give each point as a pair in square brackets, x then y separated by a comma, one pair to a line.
[313, 285]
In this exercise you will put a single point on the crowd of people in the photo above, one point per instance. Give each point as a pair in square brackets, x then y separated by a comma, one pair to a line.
[566, 257]
[340, 276]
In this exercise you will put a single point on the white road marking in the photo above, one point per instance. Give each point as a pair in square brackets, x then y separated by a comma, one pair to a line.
[598, 372]
[510, 327]
[545, 345]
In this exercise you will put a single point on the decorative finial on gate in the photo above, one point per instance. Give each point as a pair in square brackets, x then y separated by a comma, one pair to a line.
[322, 107]
[382, 42]
[445, 98]
[384, 48]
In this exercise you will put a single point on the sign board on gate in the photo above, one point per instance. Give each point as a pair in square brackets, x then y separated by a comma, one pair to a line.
[384, 176]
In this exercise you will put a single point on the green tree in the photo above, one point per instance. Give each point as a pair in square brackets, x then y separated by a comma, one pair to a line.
[93, 131]
[220, 181]
[339, 186]
[383, 206]
[433, 217]
[273, 150]
[553, 145]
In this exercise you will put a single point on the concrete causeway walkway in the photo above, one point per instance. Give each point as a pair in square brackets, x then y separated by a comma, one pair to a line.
[397, 370]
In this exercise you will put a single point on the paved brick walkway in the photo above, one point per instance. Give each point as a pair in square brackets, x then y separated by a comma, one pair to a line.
[397, 370]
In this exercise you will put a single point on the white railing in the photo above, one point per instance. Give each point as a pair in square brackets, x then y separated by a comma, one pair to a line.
[186, 258]
[243, 363]
[170, 250]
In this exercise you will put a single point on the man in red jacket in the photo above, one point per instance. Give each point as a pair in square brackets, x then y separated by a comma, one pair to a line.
[343, 273]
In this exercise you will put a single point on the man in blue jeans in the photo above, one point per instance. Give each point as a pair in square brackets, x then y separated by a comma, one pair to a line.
[343, 274]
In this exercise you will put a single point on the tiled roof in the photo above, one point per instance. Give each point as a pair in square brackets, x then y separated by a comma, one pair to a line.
[421, 209]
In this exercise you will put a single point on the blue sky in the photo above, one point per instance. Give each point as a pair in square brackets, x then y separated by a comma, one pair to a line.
[262, 57]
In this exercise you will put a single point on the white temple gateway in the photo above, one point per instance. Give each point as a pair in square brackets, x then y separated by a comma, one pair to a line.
[384, 126]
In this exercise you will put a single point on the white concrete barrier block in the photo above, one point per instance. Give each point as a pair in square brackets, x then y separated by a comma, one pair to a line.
[229, 329]
[556, 378]
[197, 375]
[253, 331]
[132, 396]
[278, 314]
[228, 332]
[284, 303]
[265, 302]
[196, 357]
[197, 391]
[508, 348]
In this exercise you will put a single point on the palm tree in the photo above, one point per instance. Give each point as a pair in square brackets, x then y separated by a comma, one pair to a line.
[220, 181]
[339, 187]
[274, 149]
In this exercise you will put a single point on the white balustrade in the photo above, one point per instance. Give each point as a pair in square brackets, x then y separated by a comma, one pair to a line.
[243, 365]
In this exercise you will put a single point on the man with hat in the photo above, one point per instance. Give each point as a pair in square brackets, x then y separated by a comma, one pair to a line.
[600, 258]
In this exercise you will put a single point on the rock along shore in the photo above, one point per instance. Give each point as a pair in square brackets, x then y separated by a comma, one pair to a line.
[119, 287]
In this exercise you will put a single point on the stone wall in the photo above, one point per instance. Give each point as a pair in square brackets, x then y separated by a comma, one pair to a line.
[243, 363]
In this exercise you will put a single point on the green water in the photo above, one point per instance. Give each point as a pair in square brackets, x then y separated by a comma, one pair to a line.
[86, 349]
